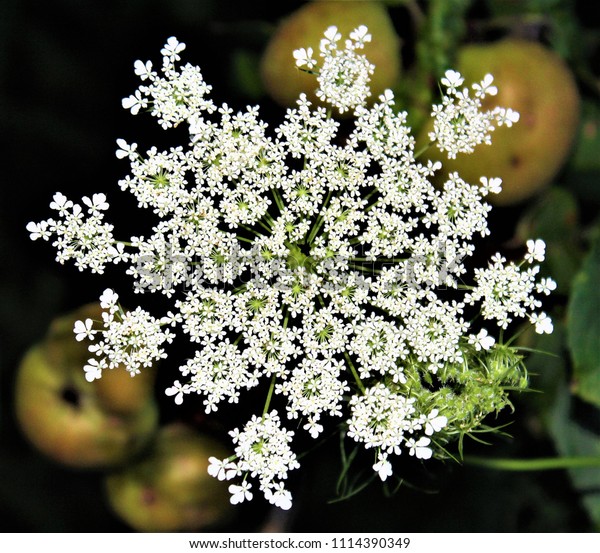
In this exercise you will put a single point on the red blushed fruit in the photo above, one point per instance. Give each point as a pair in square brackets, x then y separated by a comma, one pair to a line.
[59, 413]
[534, 81]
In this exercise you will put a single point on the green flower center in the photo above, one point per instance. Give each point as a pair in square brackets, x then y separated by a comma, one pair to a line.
[297, 258]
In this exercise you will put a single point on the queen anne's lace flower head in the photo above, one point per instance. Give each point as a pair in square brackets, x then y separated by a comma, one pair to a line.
[325, 266]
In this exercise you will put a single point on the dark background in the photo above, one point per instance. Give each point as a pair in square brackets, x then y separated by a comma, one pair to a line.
[65, 65]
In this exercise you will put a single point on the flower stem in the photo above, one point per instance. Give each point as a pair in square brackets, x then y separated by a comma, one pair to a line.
[278, 200]
[364, 269]
[424, 149]
[547, 463]
[354, 372]
[319, 220]
[241, 288]
[253, 231]
[368, 196]
[371, 206]
[265, 226]
[269, 395]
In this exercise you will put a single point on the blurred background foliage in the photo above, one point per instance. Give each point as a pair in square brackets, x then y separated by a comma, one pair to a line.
[64, 67]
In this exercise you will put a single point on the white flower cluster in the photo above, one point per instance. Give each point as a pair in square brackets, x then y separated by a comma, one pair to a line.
[460, 124]
[174, 97]
[262, 449]
[381, 418]
[345, 74]
[131, 339]
[88, 240]
[505, 291]
[326, 266]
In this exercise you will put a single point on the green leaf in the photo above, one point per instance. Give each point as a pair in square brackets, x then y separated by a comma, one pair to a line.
[585, 154]
[583, 330]
[575, 437]
[545, 365]
[583, 172]
[443, 32]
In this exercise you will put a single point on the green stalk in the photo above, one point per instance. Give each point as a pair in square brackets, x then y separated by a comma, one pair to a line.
[278, 200]
[253, 231]
[374, 204]
[423, 150]
[368, 196]
[364, 269]
[266, 226]
[546, 463]
[269, 395]
[319, 221]
[240, 288]
[355, 373]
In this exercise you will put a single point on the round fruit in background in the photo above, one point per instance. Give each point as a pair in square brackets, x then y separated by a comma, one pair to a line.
[169, 489]
[304, 28]
[535, 81]
[75, 422]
